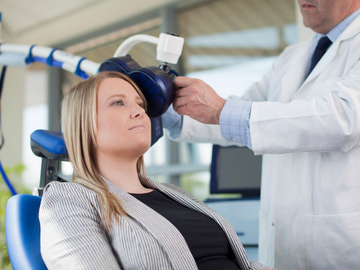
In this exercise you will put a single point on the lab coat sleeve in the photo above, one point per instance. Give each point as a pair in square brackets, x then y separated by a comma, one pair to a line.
[321, 124]
[258, 91]
[71, 234]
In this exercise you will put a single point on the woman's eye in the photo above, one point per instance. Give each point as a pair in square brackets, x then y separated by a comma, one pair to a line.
[142, 105]
[118, 103]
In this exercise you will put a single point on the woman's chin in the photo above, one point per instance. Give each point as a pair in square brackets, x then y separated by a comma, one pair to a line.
[143, 145]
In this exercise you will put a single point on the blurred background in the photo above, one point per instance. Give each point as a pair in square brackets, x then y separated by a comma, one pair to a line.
[229, 44]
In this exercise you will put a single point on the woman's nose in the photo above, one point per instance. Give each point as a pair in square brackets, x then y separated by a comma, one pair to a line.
[137, 111]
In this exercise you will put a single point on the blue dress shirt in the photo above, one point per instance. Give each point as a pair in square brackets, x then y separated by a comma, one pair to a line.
[172, 121]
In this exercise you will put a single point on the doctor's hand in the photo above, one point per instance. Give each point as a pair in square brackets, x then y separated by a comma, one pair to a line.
[197, 100]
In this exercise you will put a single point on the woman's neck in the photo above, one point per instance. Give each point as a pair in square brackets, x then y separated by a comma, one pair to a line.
[121, 172]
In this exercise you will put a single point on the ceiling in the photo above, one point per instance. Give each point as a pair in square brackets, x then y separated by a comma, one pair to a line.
[52, 22]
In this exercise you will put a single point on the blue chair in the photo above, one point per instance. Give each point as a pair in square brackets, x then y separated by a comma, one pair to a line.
[22, 229]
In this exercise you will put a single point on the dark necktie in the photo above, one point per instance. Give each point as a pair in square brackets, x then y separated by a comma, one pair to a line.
[320, 50]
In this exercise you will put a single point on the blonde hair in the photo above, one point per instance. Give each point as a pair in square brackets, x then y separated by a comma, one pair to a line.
[79, 123]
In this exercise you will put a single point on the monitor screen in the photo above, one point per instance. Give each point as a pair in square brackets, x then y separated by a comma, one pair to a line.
[235, 170]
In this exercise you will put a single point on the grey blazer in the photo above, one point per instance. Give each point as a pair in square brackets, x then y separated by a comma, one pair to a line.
[72, 236]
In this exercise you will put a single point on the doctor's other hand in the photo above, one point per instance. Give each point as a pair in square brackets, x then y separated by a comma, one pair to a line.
[197, 100]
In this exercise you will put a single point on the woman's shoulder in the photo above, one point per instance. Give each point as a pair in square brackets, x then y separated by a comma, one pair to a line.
[175, 188]
[67, 191]
[61, 198]
[57, 186]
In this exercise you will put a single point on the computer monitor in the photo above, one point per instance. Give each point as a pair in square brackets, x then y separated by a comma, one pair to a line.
[235, 170]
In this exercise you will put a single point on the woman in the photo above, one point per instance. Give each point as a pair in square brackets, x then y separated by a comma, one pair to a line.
[113, 217]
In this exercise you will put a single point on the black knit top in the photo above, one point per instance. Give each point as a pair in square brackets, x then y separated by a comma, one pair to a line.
[205, 238]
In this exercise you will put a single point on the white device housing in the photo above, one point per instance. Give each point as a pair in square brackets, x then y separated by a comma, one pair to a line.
[169, 48]
[130, 42]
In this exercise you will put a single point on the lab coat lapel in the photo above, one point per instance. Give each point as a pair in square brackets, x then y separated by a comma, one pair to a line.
[291, 81]
[349, 32]
[323, 63]
[166, 234]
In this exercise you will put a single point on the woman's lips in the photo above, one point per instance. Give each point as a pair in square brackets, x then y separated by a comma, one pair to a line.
[140, 126]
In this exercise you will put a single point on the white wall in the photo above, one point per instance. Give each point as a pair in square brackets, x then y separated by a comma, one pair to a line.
[11, 116]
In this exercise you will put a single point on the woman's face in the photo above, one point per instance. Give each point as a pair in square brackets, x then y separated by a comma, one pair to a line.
[124, 128]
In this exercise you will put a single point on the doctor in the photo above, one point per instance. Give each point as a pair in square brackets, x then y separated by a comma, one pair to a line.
[304, 117]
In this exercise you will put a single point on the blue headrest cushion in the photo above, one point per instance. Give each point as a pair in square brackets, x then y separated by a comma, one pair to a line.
[49, 144]
[155, 83]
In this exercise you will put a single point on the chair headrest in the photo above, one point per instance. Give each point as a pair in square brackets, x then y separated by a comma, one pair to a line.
[49, 144]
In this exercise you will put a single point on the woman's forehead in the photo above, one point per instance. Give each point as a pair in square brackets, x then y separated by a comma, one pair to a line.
[116, 86]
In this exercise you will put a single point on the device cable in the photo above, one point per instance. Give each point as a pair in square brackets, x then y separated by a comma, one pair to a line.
[2, 171]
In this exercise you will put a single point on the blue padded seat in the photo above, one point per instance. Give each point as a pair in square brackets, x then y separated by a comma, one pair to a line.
[22, 229]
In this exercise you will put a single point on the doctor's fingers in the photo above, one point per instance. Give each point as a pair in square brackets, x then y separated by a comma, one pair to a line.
[197, 87]
[186, 91]
[184, 102]
[186, 110]
[181, 82]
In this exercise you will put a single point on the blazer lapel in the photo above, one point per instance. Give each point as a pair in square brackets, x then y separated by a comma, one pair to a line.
[166, 233]
[183, 198]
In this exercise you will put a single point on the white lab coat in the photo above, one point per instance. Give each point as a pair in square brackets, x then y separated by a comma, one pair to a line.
[309, 134]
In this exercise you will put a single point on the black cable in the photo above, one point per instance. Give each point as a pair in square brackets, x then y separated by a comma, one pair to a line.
[2, 78]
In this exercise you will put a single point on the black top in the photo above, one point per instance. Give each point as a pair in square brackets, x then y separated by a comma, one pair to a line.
[205, 238]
